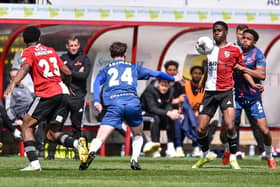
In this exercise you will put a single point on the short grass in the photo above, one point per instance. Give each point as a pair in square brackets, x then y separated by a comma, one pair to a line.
[115, 171]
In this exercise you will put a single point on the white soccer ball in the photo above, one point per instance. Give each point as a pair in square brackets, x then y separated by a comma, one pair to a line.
[204, 45]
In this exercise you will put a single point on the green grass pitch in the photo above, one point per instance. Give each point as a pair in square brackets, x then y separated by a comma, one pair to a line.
[115, 171]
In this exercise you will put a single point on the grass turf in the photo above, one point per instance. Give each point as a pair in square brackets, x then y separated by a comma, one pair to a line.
[115, 171]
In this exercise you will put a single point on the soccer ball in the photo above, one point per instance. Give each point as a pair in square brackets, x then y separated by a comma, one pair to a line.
[204, 45]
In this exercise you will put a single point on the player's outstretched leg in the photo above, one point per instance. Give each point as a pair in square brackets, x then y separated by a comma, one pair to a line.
[137, 142]
[86, 164]
[83, 150]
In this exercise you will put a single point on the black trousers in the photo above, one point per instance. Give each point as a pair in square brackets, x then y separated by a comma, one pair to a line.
[76, 109]
[161, 122]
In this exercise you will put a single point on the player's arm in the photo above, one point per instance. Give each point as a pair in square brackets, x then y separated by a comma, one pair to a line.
[25, 68]
[83, 72]
[252, 83]
[161, 75]
[258, 73]
[204, 78]
[96, 90]
[145, 74]
[67, 75]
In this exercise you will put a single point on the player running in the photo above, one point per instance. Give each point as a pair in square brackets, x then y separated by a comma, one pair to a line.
[50, 103]
[121, 103]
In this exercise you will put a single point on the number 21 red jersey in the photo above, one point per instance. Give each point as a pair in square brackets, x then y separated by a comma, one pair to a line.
[45, 73]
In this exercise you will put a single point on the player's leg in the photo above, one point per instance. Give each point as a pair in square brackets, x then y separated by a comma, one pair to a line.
[255, 110]
[229, 116]
[207, 110]
[133, 118]
[38, 111]
[30, 144]
[258, 137]
[111, 120]
[223, 135]
[137, 143]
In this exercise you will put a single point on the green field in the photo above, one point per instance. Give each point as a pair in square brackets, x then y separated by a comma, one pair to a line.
[115, 171]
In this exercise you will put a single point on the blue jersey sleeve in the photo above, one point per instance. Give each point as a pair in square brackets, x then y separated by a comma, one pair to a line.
[100, 79]
[260, 59]
[145, 73]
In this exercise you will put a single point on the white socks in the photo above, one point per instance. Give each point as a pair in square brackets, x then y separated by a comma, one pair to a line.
[268, 151]
[206, 153]
[75, 144]
[35, 164]
[137, 142]
[232, 157]
[226, 145]
[95, 145]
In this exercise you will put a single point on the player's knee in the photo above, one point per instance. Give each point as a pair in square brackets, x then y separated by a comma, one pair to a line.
[201, 130]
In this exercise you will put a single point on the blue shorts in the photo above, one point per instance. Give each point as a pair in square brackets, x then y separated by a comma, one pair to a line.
[253, 109]
[130, 113]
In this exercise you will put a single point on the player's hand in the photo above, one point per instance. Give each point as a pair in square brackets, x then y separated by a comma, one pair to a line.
[178, 78]
[98, 107]
[259, 87]
[173, 114]
[72, 93]
[239, 67]
[82, 69]
[9, 89]
[18, 122]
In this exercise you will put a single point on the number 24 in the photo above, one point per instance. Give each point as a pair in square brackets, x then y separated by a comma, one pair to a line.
[125, 77]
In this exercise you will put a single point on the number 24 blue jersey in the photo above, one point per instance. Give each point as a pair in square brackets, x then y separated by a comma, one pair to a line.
[120, 81]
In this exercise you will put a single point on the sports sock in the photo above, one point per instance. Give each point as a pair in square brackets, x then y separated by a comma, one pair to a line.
[205, 153]
[226, 146]
[75, 144]
[268, 151]
[66, 140]
[35, 164]
[137, 143]
[232, 157]
[30, 150]
[232, 142]
[203, 142]
[95, 145]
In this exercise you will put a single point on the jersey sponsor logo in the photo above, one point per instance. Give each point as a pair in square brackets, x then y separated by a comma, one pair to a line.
[226, 54]
[59, 118]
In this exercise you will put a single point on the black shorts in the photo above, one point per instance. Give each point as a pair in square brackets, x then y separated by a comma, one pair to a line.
[213, 99]
[53, 110]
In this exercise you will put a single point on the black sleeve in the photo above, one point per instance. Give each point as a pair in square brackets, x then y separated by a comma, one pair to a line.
[178, 89]
[83, 75]
[150, 98]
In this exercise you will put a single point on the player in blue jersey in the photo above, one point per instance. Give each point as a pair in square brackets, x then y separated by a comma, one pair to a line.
[120, 101]
[249, 98]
